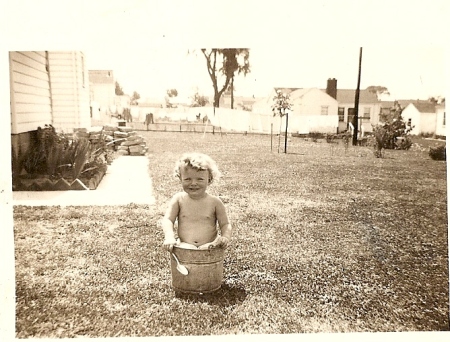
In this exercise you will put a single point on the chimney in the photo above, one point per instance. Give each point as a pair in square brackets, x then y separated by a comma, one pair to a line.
[332, 87]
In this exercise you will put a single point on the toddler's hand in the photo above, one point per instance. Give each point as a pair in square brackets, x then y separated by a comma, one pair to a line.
[169, 243]
[220, 241]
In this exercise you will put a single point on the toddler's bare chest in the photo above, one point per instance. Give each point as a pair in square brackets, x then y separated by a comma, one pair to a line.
[197, 211]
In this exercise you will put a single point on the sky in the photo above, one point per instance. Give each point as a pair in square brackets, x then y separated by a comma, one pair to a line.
[407, 72]
[293, 43]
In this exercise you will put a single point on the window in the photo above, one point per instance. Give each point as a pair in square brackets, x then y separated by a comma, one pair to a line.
[409, 122]
[324, 110]
[341, 113]
[366, 113]
[443, 120]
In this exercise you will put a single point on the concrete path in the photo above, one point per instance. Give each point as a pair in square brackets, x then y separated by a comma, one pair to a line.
[126, 181]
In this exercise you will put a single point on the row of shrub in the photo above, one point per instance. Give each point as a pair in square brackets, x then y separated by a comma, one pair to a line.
[388, 136]
[60, 155]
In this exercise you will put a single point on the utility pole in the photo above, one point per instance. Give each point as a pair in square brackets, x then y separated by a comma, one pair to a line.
[285, 132]
[355, 117]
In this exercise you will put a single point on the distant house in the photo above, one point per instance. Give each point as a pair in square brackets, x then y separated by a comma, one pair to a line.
[389, 107]
[313, 111]
[146, 106]
[368, 108]
[122, 102]
[340, 104]
[239, 102]
[421, 116]
[47, 87]
[441, 120]
[102, 90]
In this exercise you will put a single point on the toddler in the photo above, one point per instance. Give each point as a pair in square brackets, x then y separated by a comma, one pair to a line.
[197, 212]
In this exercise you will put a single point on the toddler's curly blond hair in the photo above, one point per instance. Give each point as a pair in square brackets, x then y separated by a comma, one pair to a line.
[197, 161]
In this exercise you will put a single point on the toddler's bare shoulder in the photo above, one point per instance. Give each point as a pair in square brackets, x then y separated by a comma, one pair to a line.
[215, 199]
[178, 196]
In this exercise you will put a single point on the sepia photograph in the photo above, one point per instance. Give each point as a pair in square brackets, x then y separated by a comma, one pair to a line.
[289, 181]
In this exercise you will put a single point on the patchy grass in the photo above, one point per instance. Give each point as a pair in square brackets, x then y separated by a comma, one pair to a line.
[326, 239]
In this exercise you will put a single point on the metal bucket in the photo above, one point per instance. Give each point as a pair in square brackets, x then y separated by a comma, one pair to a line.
[205, 267]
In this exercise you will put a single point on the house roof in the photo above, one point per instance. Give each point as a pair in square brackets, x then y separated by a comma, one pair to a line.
[248, 100]
[343, 95]
[423, 104]
[101, 76]
[390, 104]
[425, 107]
[299, 92]
[286, 90]
[348, 96]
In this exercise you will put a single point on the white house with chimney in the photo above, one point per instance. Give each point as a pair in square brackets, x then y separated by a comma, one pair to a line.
[329, 110]
[368, 107]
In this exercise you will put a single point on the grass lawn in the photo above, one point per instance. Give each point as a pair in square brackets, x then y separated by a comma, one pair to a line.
[326, 239]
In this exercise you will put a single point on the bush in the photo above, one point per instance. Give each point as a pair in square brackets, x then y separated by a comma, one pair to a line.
[331, 138]
[56, 155]
[403, 143]
[391, 135]
[438, 152]
[315, 135]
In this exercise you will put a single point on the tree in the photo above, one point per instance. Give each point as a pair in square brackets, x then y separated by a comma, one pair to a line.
[134, 98]
[170, 93]
[393, 133]
[281, 104]
[433, 100]
[118, 89]
[232, 60]
[231, 65]
[199, 100]
[436, 100]
[378, 90]
[395, 113]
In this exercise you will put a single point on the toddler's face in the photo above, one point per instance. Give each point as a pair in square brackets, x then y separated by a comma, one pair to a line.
[194, 182]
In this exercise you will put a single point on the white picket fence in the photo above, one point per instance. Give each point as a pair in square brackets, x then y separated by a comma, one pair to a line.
[242, 121]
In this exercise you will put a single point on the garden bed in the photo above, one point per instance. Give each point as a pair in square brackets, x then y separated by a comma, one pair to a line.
[46, 183]
[58, 161]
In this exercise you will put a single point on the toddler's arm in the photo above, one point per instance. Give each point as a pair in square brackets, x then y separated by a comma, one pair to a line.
[167, 224]
[169, 235]
[225, 226]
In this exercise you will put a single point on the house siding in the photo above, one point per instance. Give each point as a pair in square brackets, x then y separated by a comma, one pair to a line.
[70, 90]
[102, 91]
[29, 90]
[365, 124]
[310, 105]
[306, 115]
[424, 123]
[410, 113]
[440, 123]
[312, 101]
[428, 123]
